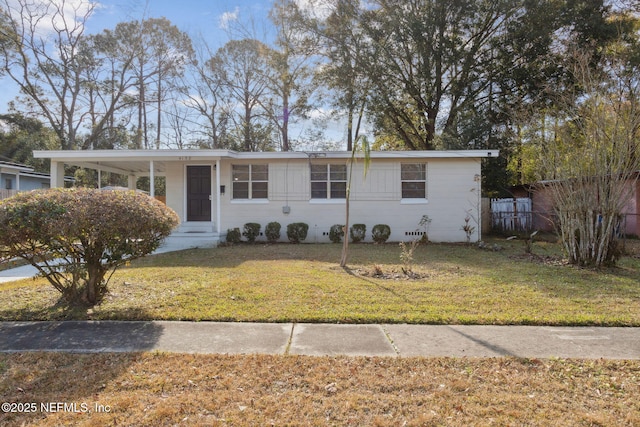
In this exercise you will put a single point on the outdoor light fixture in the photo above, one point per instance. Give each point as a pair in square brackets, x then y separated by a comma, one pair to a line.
[222, 189]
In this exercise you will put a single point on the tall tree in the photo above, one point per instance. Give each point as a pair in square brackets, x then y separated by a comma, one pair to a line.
[20, 135]
[290, 77]
[534, 82]
[428, 61]
[163, 52]
[47, 61]
[334, 30]
[76, 83]
[244, 67]
[204, 90]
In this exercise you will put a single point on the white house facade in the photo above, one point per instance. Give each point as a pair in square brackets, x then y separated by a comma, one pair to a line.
[216, 190]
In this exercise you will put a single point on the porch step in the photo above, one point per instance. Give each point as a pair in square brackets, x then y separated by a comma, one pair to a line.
[196, 227]
[180, 240]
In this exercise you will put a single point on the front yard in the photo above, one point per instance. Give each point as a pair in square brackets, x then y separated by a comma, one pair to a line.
[155, 389]
[453, 284]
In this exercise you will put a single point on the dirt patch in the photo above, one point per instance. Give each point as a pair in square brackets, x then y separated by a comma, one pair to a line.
[378, 273]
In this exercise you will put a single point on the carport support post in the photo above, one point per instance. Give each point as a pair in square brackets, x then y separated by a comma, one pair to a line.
[152, 180]
[57, 175]
[218, 210]
[132, 182]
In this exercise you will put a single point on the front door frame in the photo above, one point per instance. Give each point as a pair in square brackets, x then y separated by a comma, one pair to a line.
[186, 193]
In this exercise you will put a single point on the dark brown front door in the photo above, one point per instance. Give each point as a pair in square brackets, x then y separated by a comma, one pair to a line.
[198, 193]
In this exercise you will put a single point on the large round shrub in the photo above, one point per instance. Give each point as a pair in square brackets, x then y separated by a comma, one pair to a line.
[77, 237]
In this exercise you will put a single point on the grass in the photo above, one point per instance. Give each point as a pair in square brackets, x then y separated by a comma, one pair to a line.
[458, 284]
[215, 390]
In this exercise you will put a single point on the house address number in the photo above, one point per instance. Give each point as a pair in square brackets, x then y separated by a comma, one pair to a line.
[184, 158]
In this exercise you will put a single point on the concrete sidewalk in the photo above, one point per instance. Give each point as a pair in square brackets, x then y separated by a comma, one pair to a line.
[322, 339]
[29, 271]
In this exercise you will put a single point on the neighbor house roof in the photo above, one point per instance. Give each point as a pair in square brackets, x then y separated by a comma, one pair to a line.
[14, 167]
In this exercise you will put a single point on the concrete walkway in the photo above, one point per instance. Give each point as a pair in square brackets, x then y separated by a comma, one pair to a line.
[322, 339]
[29, 271]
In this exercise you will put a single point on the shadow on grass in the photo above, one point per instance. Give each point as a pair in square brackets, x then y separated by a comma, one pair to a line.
[359, 254]
[67, 361]
[62, 311]
[58, 311]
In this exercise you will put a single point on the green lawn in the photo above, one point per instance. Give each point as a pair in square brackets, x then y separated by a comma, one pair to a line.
[459, 284]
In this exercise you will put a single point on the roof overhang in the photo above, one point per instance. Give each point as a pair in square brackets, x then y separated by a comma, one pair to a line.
[13, 168]
[138, 162]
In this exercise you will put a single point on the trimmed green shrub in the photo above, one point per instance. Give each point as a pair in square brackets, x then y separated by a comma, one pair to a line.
[297, 232]
[358, 232]
[89, 233]
[233, 235]
[336, 233]
[272, 231]
[380, 233]
[251, 231]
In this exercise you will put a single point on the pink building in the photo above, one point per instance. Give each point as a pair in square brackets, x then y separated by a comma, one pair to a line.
[543, 212]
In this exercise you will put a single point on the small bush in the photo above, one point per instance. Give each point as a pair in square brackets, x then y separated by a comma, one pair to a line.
[251, 231]
[89, 232]
[336, 233]
[358, 232]
[297, 232]
[272, 231]
[380, 233]
[233, 235]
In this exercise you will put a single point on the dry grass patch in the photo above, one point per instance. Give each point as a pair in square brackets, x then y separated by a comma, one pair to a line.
[198, 390]
[458, 284]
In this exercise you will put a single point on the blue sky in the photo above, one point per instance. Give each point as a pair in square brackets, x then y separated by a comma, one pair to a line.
[195, 17]
[198, 18]
[214, 21]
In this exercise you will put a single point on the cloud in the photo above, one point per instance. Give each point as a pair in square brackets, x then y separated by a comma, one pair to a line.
[320, 9]
[227, 18]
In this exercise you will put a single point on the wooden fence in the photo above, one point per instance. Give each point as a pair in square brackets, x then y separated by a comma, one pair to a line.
[7, 193]
[511, 214]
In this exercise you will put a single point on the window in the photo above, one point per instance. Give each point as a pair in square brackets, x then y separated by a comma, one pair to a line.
[250, 181]
[328, 181]
[414, 180]
[8, 184]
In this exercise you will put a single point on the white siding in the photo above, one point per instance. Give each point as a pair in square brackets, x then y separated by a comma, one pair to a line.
[381, 183]
[289, 181]
[452, 192]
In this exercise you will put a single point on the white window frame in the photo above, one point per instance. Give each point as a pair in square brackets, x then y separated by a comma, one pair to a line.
[403, 180]
[328, 181]
[250, 182]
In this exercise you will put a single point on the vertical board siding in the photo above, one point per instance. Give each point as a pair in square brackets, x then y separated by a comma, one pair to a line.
[511, 214]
